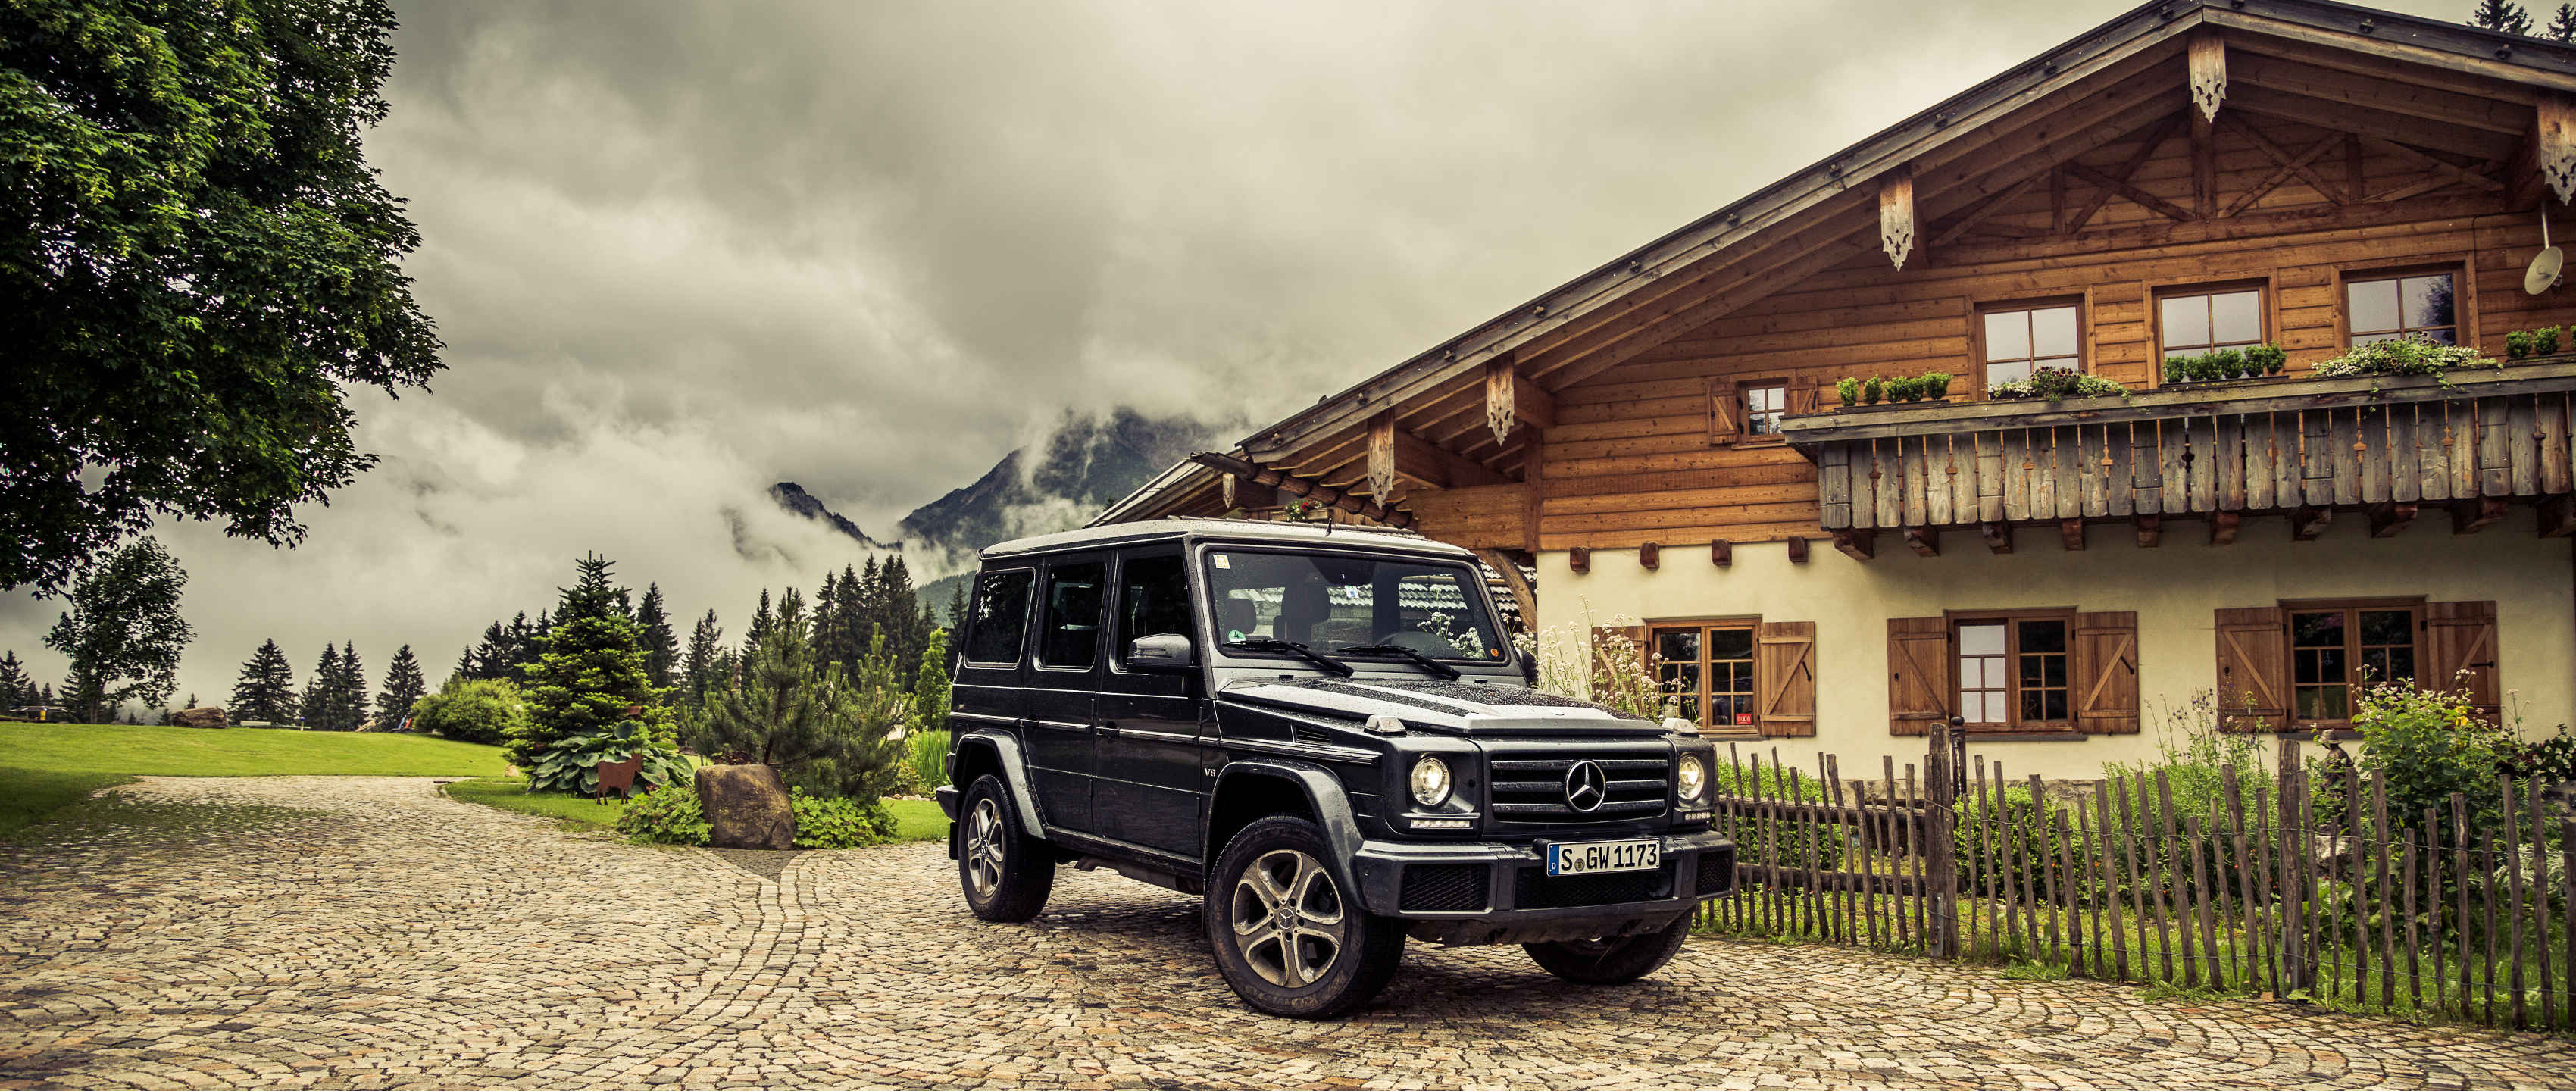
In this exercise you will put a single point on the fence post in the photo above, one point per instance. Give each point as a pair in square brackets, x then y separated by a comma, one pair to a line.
[1941, 857]
[2290, 946]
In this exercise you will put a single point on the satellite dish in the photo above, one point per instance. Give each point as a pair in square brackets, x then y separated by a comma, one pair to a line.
[2543, 274]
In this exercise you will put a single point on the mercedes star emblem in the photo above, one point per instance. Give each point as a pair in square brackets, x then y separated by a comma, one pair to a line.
[1585, 786]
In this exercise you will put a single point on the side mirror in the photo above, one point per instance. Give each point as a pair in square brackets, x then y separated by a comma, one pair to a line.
[1163, 653]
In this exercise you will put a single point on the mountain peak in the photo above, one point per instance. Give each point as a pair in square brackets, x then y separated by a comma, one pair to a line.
[794, 498]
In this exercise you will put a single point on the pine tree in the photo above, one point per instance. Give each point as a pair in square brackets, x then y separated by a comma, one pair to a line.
[2562, 26]
[2503, 15]
[321, 693]
[707, 668]
[930, 685]
[15, 687]
[761, 620]
[957, 604]
[661, 645]
[266, 691]
[403, 689]
[351, 703]
[47, 696]
[590, 672]
[794, 712]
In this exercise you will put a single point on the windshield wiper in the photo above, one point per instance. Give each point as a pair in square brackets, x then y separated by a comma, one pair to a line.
[1445, 672]
[1291, 647]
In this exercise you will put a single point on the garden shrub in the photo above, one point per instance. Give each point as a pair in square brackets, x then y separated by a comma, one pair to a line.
[1872, 389]
[928, 761]
[1848, 389]
[2429, 744]
[572, 765]
[2402, 356]
[839, 823]
[481, 711]
[2267, 359]
[667, 817]
[2177, 369]
[1936, 384]
[1791, 850]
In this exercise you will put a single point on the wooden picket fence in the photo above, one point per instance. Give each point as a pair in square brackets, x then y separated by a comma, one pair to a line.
[2279, 886]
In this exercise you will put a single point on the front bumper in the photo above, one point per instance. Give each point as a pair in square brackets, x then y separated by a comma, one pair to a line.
[1489, 893]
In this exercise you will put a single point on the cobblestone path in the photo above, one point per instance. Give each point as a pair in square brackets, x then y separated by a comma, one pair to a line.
[384, 936]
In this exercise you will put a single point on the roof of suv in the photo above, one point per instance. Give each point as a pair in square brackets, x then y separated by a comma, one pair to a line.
[1231, 530]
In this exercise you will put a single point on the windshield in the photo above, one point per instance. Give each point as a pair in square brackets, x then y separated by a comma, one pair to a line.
[1331, 600]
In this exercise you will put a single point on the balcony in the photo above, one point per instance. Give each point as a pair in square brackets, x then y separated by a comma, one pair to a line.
[2304, 448]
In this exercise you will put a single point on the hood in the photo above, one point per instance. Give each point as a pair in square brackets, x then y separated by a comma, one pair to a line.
[1462, 708]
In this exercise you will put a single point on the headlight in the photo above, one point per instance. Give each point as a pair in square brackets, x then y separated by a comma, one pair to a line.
[1692, 777]
[1430, 782]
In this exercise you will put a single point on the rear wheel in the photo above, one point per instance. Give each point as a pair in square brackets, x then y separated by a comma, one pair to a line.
[1007, 874]
[1611, 961]
[1287, 938]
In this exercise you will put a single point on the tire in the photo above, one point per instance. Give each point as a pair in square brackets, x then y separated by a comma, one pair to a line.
[1611, 961]
[1332, 955]
[1005, 873]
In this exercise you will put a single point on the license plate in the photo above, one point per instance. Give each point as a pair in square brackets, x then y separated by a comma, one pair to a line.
[1595, 857]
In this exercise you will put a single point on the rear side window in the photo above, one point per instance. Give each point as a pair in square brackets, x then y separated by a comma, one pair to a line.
[1153, 599]
[1001, 614]
[1072, 634]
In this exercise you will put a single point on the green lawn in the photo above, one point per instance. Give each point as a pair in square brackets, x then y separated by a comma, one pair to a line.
[915, 819]
[44, 767]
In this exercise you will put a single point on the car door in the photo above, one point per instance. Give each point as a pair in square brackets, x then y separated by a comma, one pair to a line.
[987, 691]
[1063, 673]
[1150, 784]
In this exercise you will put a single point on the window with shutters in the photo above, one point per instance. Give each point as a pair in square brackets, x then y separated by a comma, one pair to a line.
[2042, 674]
[1765, 402]
[2334, 649]
[1737, 676]
[2302, 665]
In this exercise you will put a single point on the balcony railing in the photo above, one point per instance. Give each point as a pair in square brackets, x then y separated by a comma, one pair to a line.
[2303, 447]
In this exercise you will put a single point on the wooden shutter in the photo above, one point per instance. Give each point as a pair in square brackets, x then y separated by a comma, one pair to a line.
[1918, 674]
[1784, 677]
[1725, 413]
[2106, 673]
[2460, 647]
[2253, 669]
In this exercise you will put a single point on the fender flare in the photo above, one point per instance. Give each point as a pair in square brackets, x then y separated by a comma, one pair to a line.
[1015, 774]
[1324, 793]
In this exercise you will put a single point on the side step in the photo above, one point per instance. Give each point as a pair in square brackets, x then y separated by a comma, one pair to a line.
[1142, 873]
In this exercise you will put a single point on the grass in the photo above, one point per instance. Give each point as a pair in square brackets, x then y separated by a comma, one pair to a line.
[915, 819]
[47, 767]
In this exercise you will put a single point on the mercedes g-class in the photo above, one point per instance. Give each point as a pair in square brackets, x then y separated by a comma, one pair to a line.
[1325, 732]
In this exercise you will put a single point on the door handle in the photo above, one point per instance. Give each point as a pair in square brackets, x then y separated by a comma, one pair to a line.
[1109, 728]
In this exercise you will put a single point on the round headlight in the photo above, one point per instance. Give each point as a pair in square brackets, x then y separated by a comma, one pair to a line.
[1692, 777]
[1430, 782]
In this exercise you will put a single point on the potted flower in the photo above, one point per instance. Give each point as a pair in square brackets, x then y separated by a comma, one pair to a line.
[1872, 389]
[2177, 370]
[2265, 360]
[1936, 384]
[1903, 389]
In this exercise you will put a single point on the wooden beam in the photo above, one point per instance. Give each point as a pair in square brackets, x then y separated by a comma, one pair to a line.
[2391, 520]
[1381, 455]
[1512, 401]
[2381, 90]
[1394, 453]
[2140, 197]
[1307, 488]
[2307, 523]
[1896, 214]
[1977, 210]
[1998, 536]
[2070, 533]
[2206, 59]
[1650, 556]
[2558, 517]
[2472, 516]
[2222, 527]
[1578, 560]
[2556, 146]
[2287, 164]
[1522, 592]
[1924, 541]
[1533, 474]
[1859, 545]
[2439, 167]
[1797, 550]
[2342, 118]
[1721, 553]
[2151, 530]
[2151, 138]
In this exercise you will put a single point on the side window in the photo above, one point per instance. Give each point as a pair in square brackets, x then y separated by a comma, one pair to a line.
[2015, 342]
[2423, 307]
[1001, 612]
[1153, 599]
[1071, 637]
[2012, 672]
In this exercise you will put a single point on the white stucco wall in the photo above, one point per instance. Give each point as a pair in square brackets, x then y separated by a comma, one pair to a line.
[2174, 588]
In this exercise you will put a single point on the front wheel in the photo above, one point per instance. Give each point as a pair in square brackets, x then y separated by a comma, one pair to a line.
[1006, 873]
[1611, 961]
[1287, 937]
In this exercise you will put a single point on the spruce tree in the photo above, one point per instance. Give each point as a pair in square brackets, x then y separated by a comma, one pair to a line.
[2562, 26]
[266, 691]
[2503, 15]
[15, 687]
[321, 694]
[590, 672]
[957, 604]
[661, 645]
[350, 703]
[404, 688]
[796, 713]
[761, 620]
[706, 667]
[930, 685]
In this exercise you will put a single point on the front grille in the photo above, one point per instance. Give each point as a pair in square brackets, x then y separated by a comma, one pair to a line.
[1444, 888]
[1532, 789]
[1716, 874]
[1533, 889]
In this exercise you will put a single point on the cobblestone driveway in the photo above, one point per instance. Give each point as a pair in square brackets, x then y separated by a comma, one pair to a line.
[403, 939]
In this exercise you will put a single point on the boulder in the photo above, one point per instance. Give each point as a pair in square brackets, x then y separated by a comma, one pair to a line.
[199, 717]
[746, 806]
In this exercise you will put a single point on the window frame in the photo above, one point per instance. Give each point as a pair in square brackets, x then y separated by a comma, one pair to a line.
[2011, 620]
[1751, 626]
[1745, 436]
[2265, 297]
[2417, 609]
[976, 621]
[2463, 297]
[1977, 315]
[1117, 606]
[1041, 607]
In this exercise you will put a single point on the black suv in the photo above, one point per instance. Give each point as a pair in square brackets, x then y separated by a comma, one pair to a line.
[1324, 731]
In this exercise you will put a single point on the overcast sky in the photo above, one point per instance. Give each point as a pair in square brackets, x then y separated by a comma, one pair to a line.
[680, 251]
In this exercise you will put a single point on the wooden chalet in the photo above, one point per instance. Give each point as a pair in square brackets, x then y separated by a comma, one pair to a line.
[1662, 442]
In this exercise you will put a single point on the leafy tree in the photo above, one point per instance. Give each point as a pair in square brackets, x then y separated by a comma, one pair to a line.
[2504, 15]
[266, 691]
[661, 645]
[794, 712]
[15, 687]
[591, 672]
[403, 689]
[484, 710]
[194, 259]
[123, 634]
[2562, 26]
